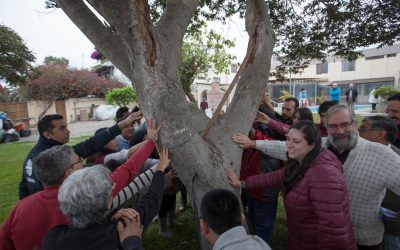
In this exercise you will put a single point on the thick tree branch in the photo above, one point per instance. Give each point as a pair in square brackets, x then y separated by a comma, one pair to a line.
[252, 83]
[104, 39]
[172, 26]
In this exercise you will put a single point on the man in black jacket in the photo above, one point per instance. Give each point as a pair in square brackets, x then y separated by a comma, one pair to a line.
[53, 131]
[351, 96]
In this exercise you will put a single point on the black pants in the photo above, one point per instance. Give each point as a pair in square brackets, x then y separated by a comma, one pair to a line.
[167, 204]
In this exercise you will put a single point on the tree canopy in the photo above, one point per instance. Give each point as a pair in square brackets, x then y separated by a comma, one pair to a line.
[51, 60]
[15, 57]
[307, 30]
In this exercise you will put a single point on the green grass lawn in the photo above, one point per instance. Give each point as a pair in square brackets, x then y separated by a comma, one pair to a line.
[185, 235]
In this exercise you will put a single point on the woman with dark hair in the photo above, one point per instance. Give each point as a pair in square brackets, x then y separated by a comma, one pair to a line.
[314, 190]
[302, 114]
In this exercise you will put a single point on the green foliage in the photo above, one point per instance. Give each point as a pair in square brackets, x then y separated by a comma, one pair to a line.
[285, 95]
[322, 98]
[121, 96]
[52, 60]
[57, 82]
[386, 91]
[202, 51]
[15, 57]
[307, 30]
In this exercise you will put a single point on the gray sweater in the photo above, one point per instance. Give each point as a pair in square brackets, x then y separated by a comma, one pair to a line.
[237, 239]
[369, 169]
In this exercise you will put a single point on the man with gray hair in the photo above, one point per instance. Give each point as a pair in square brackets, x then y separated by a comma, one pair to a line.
[33, 216]
[383, 130]
[85, 199]
[369, 168]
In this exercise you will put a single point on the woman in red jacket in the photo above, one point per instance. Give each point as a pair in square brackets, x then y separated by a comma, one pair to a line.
[314, 191]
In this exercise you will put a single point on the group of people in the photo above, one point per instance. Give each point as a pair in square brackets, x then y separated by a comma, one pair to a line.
[340, 184]
[351, 94]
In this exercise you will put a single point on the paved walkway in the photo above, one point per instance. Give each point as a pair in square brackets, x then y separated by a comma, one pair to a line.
[77, 129]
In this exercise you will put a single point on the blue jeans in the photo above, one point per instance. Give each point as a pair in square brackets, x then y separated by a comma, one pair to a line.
[392, 242]
[262, 216]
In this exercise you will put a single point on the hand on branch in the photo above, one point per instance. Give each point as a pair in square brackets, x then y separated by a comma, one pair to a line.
[266, 100]
[132, 118]
[152, 131]
[262, 118]
[244, 141]
[233, 180]
[164, 160]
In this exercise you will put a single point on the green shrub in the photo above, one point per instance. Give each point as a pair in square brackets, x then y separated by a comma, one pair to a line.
[121, 96]
[386, 91]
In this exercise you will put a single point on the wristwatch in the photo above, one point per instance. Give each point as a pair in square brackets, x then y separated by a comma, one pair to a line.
[242, 184]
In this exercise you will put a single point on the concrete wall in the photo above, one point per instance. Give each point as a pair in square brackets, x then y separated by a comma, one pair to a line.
[35, 108]
[73, 107]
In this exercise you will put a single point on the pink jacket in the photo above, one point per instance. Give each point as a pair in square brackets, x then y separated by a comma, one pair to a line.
[317, 207]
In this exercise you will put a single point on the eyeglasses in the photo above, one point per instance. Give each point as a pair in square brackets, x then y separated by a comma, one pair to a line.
[344, 126]
[73, 164]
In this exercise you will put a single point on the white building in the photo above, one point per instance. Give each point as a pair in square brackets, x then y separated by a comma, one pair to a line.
[378, 66]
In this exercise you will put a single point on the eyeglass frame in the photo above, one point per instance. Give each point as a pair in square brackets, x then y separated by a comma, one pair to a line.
[73, 164]
[343, 126]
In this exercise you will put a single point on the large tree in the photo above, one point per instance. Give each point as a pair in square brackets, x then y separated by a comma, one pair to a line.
[149, 52]
[15, 57]
[150, 55]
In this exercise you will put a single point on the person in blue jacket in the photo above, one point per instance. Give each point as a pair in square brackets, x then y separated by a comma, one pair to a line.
[334, 92]
[53, 131]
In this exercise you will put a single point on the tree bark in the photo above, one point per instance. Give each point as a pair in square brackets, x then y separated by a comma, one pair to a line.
[150, 56]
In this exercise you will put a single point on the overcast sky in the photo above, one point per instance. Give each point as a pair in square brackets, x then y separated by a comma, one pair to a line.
[49, 32]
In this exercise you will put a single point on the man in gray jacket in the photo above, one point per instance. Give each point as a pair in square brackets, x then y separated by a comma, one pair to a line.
[221, 223]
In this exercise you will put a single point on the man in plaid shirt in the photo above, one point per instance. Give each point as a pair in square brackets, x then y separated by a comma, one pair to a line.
[369, 168]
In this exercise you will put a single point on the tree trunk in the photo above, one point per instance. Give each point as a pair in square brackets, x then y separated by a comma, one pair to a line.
[151, 59]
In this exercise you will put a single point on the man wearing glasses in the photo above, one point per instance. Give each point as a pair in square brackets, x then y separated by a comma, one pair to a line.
[53, 131]
[369, 168]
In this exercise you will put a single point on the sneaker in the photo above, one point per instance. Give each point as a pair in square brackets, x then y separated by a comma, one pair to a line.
[182, 208]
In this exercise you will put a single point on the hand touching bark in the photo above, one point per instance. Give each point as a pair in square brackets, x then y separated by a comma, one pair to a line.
[164, 160]
[262, 118]
[233, 180]
[244, 141]
[132, 118]
[152, 131]
[267, 102]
